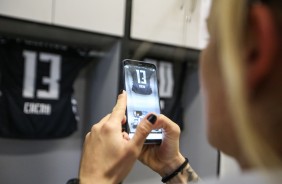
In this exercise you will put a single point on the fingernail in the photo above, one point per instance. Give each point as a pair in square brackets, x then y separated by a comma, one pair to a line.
[121, 91]
[152, 118]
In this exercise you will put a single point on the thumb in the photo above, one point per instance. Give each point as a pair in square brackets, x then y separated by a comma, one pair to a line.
[143, 129]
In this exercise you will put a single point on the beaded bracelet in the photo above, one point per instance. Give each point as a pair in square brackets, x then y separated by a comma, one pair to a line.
[179, 169]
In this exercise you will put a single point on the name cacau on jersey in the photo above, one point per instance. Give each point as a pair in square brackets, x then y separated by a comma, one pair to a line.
[37, 108]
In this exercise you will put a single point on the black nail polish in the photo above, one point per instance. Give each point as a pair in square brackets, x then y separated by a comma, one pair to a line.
[152, 118]
[120, 91]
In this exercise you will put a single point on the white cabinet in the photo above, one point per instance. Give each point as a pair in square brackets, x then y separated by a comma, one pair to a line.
[106, 16]
[158, 20]
[175, 22]
[34, 10]
[204, 13]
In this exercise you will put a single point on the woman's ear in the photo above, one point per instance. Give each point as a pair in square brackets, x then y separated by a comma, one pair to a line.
[262, 44]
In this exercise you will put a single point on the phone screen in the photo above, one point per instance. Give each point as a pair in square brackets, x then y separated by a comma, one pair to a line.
[140, 81]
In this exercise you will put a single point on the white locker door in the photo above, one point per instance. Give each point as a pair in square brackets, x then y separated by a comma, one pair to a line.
[196, 14]
[34, 10]
[192, 23]
[106, 16]
[159, 21]
[204, 12]
[175, 22]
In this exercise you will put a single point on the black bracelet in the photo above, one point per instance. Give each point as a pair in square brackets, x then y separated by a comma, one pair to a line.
[73, 181]
[179, 169]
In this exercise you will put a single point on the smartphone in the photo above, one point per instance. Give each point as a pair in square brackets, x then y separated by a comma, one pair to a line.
[141, 84]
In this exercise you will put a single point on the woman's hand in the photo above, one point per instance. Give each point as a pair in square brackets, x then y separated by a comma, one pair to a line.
[166, 157]
[108, 153]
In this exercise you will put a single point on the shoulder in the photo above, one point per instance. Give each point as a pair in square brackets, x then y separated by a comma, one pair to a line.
[254, 177]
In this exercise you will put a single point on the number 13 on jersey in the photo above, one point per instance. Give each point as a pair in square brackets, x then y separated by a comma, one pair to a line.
[30, 71]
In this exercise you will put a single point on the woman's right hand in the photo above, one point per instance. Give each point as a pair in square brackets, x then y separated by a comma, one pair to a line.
[166, 157]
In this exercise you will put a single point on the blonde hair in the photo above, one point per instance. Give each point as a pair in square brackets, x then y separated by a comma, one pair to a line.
[231, 16]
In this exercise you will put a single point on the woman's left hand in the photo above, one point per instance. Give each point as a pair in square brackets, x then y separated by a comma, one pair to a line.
[108, 153]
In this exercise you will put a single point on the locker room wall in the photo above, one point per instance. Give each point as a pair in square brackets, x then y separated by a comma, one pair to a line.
[56, 161]
[102, 87]
[194, 144]
[193, 141]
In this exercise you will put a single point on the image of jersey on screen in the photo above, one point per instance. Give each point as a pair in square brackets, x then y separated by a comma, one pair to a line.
[142, 91]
